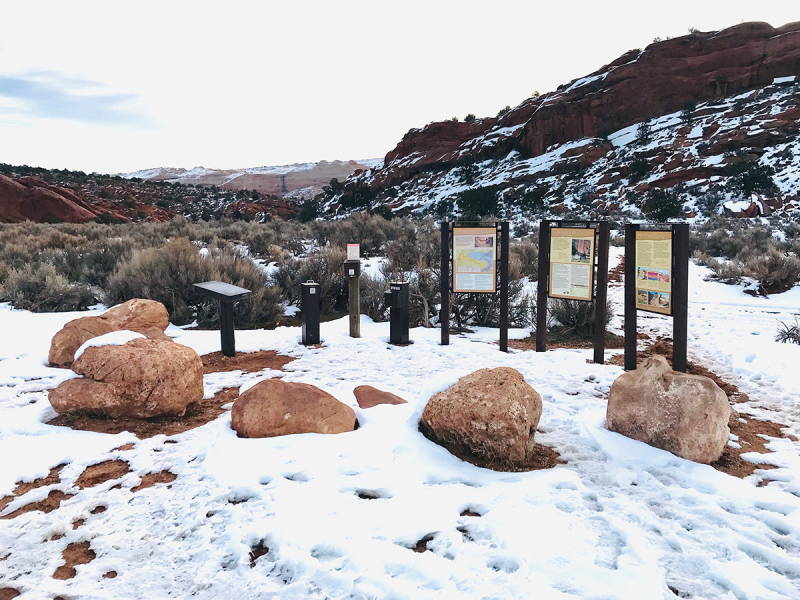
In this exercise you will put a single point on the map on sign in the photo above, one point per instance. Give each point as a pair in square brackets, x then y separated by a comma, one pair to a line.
[474, 259]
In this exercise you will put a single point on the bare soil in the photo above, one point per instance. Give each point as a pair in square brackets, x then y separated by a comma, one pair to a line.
[617, 274]
[152, 479]
[197, 414]
[257, 552]
[7, 593]
[110, 575]
[560, 340]
[100, 473]
[746, 428]
[248, 362]
[77, 553]
[49, 504]
[23, 488]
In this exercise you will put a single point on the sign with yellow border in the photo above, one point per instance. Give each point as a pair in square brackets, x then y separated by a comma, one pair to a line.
[654, 271]
[571, 264]
[475, 259]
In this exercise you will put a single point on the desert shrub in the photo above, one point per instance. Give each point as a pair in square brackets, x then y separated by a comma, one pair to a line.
[662, 205]
[527, 252]
[477, 202]
[532, 201]
[774, 270]
[167, 275]
[644, 132]
[573, 317]
[757, 178]
[470, 118]
[639, 168]
[325, 267]
[788, 332]
[41, 288]
[467, 170]
[372, 301]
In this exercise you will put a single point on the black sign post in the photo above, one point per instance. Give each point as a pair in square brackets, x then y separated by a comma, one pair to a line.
[675, 278]
[397, 299]
[227, 295]
[597, 284]
[309, 305]
[448, 275]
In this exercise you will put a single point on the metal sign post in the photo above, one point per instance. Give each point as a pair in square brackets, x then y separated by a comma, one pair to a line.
[471, 268]
[309, 305]
[569, 254]
[352, 270]
[657, 280]
[227, 295]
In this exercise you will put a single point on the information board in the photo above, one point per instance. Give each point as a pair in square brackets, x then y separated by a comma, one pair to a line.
[475, 259]
[571, 263]
[654, 271]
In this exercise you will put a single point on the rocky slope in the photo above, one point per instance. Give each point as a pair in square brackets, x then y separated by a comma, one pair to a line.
[700, 115]
[55, 196]
[298, 181]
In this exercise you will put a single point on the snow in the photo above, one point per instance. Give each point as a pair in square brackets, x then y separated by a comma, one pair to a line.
[618, 520]
[788, 79]
[113, 338]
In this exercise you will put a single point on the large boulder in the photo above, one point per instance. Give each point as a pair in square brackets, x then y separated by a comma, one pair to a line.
[274, 407]
[148, 317]
[489, 416]
[143, 378]
[368, 396]
[684, 414]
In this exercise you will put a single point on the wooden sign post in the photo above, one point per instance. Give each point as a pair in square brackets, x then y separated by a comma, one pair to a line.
[569, 252]
[469, 264]
[657, 281]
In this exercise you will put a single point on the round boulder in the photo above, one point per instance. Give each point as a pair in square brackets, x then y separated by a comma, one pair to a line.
[273, 407]
[684, 414]
[143, 378]
[368, 396]
[148, 317]
[490, 416]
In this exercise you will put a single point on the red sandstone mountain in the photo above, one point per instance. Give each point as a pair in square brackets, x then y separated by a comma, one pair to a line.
[551, 143]
[30, 199]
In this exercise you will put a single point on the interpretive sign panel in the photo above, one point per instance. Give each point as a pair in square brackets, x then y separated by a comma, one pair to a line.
[475, 259]
[571, 264]
[654, 271]
[353, 251]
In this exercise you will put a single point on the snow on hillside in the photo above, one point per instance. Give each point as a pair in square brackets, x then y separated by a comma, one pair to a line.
[339, 513]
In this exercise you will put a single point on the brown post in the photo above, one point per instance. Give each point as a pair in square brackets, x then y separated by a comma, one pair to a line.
[680, 289]
[504, 250]
[444, 284]
[601, 294]
[355, 307]
[541, 292]
[630, 296]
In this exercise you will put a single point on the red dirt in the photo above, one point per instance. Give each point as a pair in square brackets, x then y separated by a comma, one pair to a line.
[8, 593]
[197, 414]
[152, 479]
[746, 428]
[245, 361]
[74, 554]
[49, 504]
[124, 448]
[556, 340]
[102, 472]
[422, 544]
[78, 523]
[257, 552]
[99, 509]
[23, 488]
[617, 274]
[110, 575]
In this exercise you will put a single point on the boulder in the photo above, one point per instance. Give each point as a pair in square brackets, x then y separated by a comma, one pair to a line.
[490, 415]
[368, 396]
[684, 414]
[274, 407]
[147, 317]
[142, 379]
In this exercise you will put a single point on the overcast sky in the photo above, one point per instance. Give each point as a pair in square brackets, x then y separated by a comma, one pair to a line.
[119, 86]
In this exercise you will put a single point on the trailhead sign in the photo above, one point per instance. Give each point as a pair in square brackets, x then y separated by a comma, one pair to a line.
[571, 263]
[654, 271]
[475, 259]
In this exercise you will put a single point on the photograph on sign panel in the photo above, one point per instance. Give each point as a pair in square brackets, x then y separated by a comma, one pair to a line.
[581, 250]
[484, 241]
[641, 297]
[663, 276]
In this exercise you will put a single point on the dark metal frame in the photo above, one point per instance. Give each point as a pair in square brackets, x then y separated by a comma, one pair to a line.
[447, 274]
[679, 298]
[599, 293]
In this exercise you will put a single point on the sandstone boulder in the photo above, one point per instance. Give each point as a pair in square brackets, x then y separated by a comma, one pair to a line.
[142, 379]
[147, 317]
[489, 415]
[274, 407]
[683, 414]
[368, 396]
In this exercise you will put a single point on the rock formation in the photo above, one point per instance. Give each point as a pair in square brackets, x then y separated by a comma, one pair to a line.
[684, 414]
[368, 396]
[274, 407]
[148, 317]
[490, 415]
[30, 199]
[144, 378]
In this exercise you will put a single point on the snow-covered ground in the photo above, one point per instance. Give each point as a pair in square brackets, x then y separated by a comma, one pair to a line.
[619, 520]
